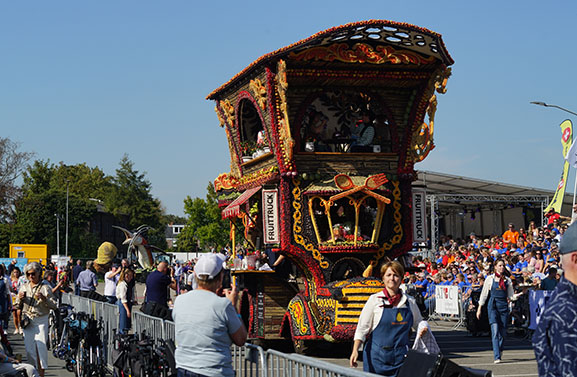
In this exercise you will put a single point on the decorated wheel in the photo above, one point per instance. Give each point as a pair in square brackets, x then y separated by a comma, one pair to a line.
[300, 346]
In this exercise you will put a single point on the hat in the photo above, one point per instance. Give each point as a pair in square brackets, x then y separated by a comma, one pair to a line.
[569, 241]
[209, 265]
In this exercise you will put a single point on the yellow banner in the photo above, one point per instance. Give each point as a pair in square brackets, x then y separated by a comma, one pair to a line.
[566, 140]
[566, 136]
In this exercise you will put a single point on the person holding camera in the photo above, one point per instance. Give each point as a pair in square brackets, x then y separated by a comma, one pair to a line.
[35, 298]
[157, 284]
[206, 324]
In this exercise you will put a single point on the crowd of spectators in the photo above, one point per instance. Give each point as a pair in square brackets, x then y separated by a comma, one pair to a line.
[531, 261]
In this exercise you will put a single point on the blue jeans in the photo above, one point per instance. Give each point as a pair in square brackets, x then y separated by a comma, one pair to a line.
[498, 338]
[111, 299]
[124, 322]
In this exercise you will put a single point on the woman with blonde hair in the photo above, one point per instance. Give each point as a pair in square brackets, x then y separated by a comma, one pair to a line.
[35, 298]
[385, 323]
[125, 299]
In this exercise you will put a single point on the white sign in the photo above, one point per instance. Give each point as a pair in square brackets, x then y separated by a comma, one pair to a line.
[537, 302]
[270, 216]
[447, 299]
[419, 215]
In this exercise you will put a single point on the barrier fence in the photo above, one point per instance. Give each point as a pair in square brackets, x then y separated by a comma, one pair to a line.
[109, 314]
[248, 361]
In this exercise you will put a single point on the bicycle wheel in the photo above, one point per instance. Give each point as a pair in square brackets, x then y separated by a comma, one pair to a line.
[80, 360]
[53, 338]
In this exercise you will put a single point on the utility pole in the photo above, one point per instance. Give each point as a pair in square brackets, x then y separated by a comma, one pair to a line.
[66, 247]
[57, 233]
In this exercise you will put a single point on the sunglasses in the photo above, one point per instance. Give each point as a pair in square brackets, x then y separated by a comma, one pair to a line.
[30, 273]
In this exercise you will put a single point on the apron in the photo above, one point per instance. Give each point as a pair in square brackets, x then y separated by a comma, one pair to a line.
[498, 307]
[387, 345]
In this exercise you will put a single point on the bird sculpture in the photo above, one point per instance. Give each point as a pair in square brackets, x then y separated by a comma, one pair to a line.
[137, 242]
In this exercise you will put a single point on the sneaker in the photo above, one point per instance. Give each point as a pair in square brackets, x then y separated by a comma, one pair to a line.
[21, 332]
[498, 361]
[16, 331]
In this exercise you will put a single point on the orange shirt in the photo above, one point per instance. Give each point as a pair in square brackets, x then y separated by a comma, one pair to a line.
[511, 237]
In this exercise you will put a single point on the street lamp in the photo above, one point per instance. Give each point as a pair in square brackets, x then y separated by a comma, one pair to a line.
[57, 233]
[547, 105]
[66, 247]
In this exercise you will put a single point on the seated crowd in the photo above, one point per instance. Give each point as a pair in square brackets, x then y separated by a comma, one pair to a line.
[531, 259]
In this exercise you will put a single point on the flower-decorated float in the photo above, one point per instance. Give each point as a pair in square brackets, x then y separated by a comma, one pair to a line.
[344, 116]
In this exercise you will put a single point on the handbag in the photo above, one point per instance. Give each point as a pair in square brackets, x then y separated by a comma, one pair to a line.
[25, 318]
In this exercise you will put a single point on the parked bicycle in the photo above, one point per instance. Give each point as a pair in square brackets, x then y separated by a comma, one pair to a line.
[143, 357]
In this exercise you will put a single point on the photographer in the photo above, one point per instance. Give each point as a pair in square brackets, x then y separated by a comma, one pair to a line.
[157, 284]
[205, 324]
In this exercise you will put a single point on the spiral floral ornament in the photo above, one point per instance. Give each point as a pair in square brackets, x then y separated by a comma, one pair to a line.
[423, 137]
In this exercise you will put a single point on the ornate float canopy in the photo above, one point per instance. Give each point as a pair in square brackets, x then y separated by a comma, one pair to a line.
[409, 44]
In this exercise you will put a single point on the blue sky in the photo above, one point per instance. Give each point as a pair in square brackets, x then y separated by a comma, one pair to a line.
[88, 81]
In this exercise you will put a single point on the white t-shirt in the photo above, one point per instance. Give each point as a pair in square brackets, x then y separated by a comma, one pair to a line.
[110, 284]
[203, 323]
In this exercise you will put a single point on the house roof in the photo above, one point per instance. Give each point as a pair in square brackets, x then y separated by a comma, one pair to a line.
[396, 34]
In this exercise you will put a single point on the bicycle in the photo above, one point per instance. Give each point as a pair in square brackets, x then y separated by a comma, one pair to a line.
[90, 360]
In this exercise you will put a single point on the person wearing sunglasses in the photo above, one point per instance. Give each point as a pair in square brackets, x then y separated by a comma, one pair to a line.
[35, 298]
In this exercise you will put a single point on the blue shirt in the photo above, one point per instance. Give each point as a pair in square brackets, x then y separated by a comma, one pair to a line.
[556, 334]
[421, 286]
[156, 287]
[87, 280]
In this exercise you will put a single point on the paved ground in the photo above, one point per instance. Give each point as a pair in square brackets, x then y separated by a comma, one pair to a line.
[476, 352]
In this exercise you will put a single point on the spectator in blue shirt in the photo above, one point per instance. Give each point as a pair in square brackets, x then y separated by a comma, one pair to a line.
[421, 284]
[76, 270]
[556, 334]
[87, 280]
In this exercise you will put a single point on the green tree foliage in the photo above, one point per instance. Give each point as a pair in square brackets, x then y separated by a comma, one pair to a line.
[131, 196]
[204, 225]
[44, 196]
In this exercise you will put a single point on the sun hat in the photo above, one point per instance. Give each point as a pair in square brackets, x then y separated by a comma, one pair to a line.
[209, 265]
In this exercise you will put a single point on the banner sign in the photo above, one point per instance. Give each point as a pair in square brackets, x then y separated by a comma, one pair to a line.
[566, 138]
[419, 215]
[447, 299]
[270, 216]
[537, 302]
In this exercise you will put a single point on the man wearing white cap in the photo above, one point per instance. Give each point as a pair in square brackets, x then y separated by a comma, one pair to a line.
[555, 339]
[205, 324]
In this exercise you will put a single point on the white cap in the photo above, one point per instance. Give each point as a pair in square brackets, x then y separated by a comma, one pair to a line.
[209, 265]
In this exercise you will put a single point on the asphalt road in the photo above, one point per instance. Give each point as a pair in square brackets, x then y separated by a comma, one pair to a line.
[474, 352]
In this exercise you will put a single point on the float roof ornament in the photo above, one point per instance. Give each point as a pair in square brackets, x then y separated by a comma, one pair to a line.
[394, 34]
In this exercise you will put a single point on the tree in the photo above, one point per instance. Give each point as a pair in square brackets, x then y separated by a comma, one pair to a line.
[130, 195]
[12, 164]
[204, 225]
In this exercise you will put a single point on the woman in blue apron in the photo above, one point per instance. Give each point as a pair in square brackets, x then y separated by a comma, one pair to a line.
[499, 289]
[384, 325]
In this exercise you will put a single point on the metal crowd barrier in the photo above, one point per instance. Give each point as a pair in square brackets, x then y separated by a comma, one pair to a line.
[251, 360]
[282, 364]
[248, 361]
[109, 314]
[460, 317]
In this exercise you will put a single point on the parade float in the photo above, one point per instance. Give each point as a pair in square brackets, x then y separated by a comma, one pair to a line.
[323, 137]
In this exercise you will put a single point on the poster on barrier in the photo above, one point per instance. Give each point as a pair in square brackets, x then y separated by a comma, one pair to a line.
[537, 302]
[447, 299]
